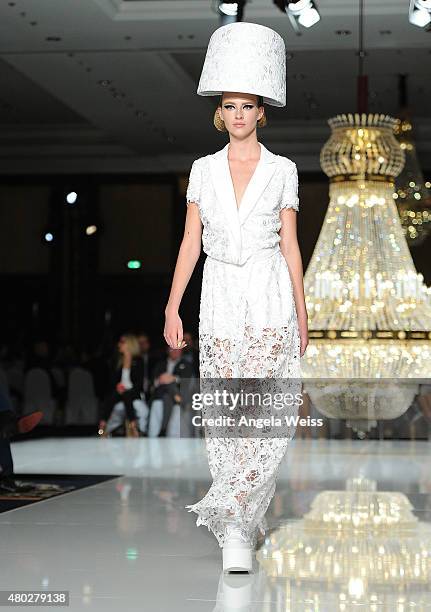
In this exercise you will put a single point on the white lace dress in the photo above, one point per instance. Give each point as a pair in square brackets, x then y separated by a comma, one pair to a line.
[247, 325]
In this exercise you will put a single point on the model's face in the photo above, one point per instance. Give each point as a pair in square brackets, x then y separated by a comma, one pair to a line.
[240, 113]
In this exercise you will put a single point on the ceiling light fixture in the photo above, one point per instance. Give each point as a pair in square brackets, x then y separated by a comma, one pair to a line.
[230, 11]
[301, 13]
[420, 13]
[305, 12]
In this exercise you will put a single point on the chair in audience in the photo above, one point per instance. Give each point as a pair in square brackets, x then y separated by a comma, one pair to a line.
[82, 405]
[15, 378]
[38, 395]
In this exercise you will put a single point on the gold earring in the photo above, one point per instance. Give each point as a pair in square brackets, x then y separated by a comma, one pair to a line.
[219, 123]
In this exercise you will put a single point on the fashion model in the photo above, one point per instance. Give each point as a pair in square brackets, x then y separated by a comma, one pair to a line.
[242, 202]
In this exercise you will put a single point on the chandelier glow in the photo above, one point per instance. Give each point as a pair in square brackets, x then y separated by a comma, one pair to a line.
[369, 310]
[366, 544]
[412, 195]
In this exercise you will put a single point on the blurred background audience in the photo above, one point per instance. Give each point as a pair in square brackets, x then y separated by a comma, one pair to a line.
[108, 388]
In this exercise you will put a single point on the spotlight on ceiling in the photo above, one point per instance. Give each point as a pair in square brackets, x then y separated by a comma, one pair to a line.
[305, 12]
[420, 12]
[301, 12]
[231, 11]
[90, 230]
[71, 197]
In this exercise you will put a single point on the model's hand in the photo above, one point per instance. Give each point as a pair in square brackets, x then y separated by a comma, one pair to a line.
[120, 387]
[173, 332]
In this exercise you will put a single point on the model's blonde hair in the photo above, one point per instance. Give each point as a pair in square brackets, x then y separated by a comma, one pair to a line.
[132, 344]
[219, 123]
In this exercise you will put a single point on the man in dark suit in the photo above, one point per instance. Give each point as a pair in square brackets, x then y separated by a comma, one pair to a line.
[174, 381]
[10, 426]
[190, 351]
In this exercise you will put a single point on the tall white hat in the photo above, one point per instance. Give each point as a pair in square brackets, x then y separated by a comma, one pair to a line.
[247, 58]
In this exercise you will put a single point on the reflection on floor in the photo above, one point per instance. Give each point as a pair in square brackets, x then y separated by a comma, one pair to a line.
[130, 544]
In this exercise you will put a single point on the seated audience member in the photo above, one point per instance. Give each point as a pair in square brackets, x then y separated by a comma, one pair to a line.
[420, 420]
[174, 377]
[126, 385]
[95, 362]
[10, 426]
[148, 361]
[41, 357]
[190, 352]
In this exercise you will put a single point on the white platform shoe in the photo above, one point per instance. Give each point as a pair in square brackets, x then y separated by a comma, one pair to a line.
[237, 554]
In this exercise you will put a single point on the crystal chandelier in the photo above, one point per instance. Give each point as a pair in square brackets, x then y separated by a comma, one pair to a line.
[412, 194]
[362, 545]
[369, 310]
[362, 402]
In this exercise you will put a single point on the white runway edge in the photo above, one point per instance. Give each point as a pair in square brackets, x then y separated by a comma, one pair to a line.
[130, 544]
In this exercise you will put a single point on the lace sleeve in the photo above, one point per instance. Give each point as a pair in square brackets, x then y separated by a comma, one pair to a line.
[289, 198]
[193, 193]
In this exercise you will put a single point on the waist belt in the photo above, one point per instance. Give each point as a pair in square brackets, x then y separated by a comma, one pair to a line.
[256, 256]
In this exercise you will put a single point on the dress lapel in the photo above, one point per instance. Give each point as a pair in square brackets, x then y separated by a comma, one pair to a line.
[225, 193]
[260, 179]
[223, 187]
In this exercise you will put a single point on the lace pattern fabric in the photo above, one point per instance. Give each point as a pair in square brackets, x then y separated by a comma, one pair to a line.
[247, 330]
[244, 469]
[290, 197]
[244, 480]
[259, 231]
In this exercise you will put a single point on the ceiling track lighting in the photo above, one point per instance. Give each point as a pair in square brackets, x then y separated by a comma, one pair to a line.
[230, 11]
[301, 13]
[420, 13]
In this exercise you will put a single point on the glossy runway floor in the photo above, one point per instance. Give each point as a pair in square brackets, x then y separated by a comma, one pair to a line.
[128, 544]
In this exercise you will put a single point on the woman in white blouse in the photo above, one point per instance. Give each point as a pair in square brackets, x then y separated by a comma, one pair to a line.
[127, 385]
